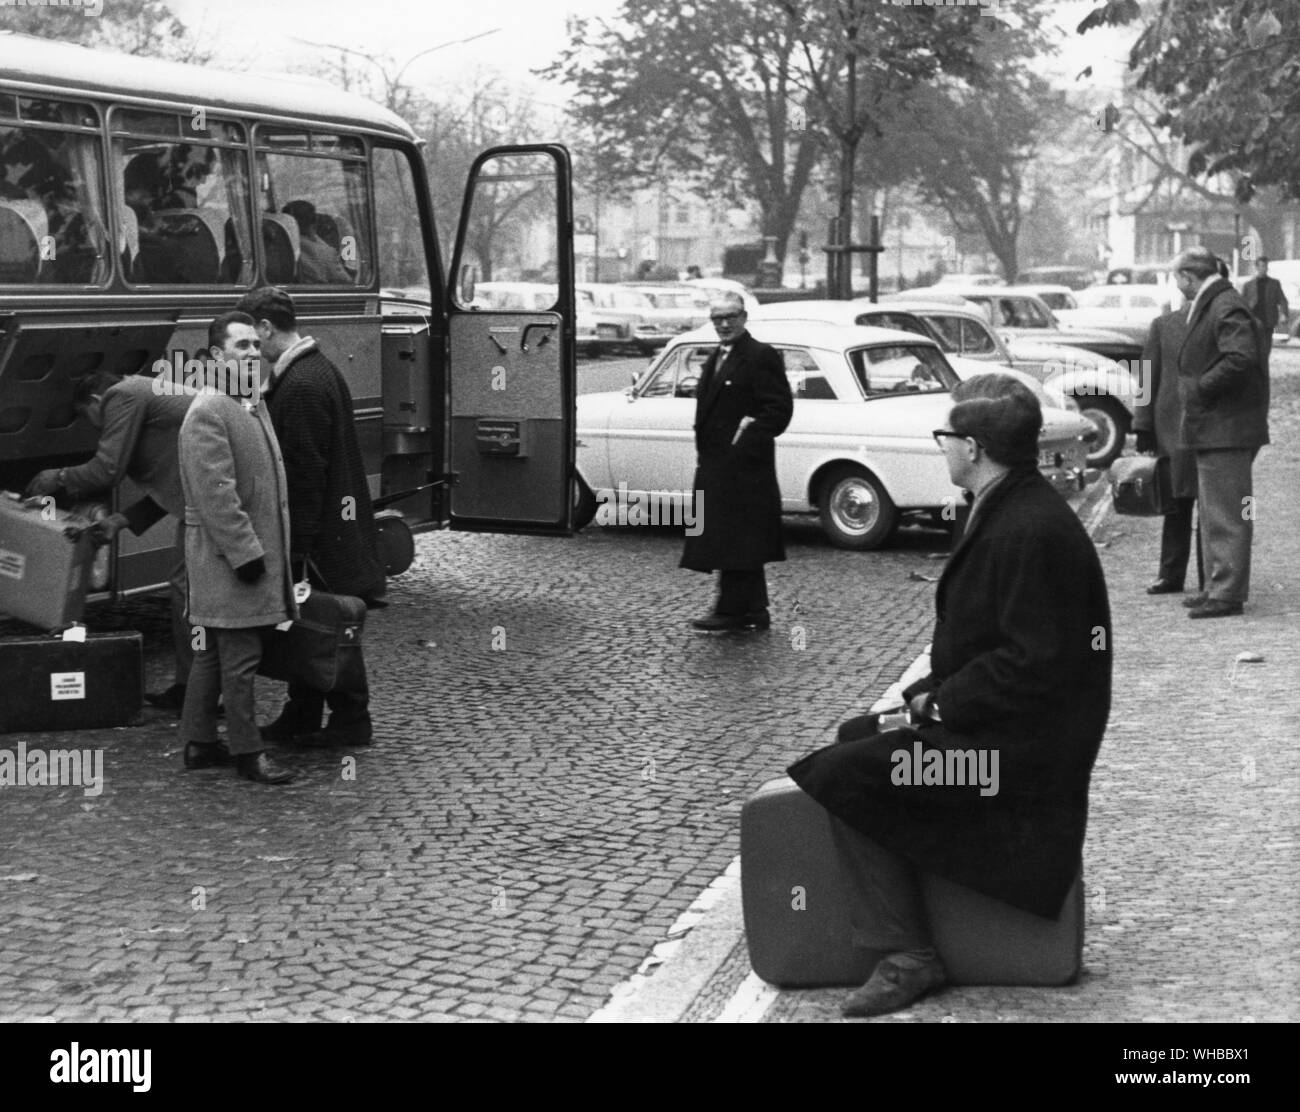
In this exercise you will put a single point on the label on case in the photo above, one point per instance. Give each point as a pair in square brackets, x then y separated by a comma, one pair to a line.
[67, 685]
[12, 564]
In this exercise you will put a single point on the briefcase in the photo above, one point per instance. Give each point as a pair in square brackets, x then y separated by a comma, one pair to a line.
[44, 564]
[322, 648]
[56, 685]
[1142, 486]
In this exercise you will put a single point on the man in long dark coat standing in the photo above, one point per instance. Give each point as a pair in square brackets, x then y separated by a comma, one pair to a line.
[742, 404]
[333, 542]
[1020, 679]
[1267, 304]
[1157, 417]
[1224, 387]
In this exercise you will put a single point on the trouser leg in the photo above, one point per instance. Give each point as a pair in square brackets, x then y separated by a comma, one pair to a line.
[202, 689]
[305, 707]
[742, 592]
[885, 895]
[1223, 478]
[182, 632]
[241, 652]
[1176, 541]
[350, 710]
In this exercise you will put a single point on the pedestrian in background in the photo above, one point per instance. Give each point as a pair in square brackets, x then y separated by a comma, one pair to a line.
[1267, 304]
[742, 404]
[237, 551]
[1157, 418]
[140, 427]
[1224, 389]
[334, 542]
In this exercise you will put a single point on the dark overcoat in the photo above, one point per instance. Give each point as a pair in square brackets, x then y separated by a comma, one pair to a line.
[740, 510]
[333, 521]
[1020, 664]
[1159, 408]
[1224, 384]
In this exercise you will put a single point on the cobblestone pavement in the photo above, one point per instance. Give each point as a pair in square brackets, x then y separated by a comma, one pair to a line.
[558, 773]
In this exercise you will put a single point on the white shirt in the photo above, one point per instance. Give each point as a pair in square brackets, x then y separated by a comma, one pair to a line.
[1191, 309]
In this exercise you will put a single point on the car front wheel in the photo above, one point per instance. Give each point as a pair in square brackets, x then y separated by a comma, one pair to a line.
[1111, 421]
[856, 511]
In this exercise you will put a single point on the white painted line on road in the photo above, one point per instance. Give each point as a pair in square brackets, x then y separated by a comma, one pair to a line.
[750, 1003]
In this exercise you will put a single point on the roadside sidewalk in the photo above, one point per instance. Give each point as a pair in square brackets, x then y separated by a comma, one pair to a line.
[1190, 864]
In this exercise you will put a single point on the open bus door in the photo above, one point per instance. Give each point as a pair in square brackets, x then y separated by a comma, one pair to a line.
[512, 370]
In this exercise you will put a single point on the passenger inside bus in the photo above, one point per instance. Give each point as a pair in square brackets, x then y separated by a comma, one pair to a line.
[44, 235]
[179, 242]
[318, 262]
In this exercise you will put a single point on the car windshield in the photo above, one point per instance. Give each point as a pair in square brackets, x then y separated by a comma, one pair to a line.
[901, 368]
[901, 322]
[1060, 300]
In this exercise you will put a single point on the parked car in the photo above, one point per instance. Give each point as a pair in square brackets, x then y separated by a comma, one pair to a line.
[858, 453]
[539, 297]
[1126, 309]
[679, 303]
[626, 316]
[1102, 390]
[1055, 297]
[1017, 312]
[970, 280]
[1072, 277]
[725, 285]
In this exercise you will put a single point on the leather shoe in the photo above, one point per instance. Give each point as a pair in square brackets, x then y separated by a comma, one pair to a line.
[211, 755]
[1216, 608]
[718, 623]
[897, 981]
[758, 620]
[259, 768]
[1196, 600]
[1164, 587]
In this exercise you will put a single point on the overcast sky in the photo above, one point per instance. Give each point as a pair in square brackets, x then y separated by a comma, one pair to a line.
[525, 33]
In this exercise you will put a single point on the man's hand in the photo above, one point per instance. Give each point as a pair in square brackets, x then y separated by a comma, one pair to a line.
[252, 571]
[105, 529]
[46, 482]
[1146, 442]
[917, 704]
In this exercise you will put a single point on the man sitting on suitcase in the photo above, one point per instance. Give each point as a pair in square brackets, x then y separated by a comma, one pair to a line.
[1020, 680]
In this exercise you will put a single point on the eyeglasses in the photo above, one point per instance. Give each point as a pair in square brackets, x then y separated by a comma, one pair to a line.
[725, 318]
[939, 434]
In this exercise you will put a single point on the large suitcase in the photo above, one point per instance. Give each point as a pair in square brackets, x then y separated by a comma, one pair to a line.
[44, 565]
[55, 685]
[796, 913]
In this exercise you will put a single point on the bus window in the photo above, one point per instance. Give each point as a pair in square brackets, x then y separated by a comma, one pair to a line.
[184, 208]
[510, 232]
[313, 206]
[52, 227]
[397, 215]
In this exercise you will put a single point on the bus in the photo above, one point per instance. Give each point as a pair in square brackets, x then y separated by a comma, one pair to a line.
[140, 198]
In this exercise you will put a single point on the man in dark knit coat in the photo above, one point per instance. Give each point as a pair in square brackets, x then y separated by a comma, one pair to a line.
[333, 539]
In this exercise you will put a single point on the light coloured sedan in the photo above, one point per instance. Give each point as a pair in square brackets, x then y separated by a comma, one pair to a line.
[1102, 390]
[1126, 309]
[859, 452]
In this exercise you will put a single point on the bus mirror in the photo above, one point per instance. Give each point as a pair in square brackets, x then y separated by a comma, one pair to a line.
[468, 280]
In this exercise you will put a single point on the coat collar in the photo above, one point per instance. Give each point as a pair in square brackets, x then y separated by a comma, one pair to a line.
[1015, 479]
[1204, 296]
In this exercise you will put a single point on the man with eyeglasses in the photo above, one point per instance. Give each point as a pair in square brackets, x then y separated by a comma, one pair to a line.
[742, 404]
[1020, 674]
